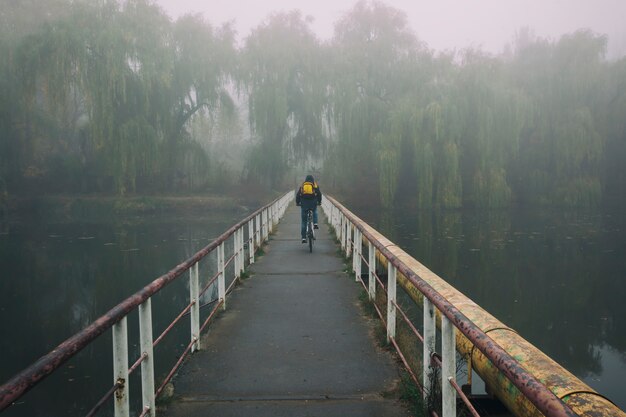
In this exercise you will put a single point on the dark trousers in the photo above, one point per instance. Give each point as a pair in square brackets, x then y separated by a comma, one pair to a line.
[303, 211]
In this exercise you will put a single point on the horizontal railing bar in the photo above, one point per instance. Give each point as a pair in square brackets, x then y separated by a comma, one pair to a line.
[232, 284]
[409, 322]
[363, 284]
[229, 260]
[208, 303]
[466, 400]
[142, 358]
[538, 394]
[102, 400]
[19, 384]
[176, 366]
[208, 285]
[173, 323]
[406, 365]
[380, 282]
[208, 319]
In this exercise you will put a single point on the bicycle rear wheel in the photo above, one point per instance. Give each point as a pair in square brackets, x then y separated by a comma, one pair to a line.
[310, 242]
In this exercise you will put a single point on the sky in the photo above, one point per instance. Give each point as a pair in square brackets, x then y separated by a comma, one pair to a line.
[441, 24]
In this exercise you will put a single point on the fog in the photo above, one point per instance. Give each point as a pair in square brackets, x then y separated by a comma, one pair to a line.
[443, 25]
[122, 98]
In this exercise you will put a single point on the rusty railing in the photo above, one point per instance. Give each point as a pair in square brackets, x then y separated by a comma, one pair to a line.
[354, 235]
[258, 224]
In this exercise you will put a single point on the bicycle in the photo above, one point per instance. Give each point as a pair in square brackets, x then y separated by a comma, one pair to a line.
[310, 233]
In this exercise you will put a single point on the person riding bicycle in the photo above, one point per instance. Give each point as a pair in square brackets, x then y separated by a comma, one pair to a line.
[308, 197]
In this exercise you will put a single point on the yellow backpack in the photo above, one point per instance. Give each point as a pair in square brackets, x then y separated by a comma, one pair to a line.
[308, 188]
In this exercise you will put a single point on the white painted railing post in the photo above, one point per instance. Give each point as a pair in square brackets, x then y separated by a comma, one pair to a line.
[391, 299]
[342, 229]
[349, 238]
[120, 368]
[147, 366]
[357, 254]
[257, 233]
[354, 254]
[275, 213]
[429, 341]
[221, 284]
[448, 367]
[270, 219]
[236, 253]
[194, 313]
[372, 270]
[251, 241]
[242, 251]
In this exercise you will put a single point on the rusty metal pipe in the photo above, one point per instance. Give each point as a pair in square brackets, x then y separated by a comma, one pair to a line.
[537, 393]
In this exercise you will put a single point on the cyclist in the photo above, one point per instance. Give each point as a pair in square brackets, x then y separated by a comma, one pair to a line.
[308, 197]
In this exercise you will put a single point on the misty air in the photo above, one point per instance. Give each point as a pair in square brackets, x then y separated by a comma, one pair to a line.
[383, 208]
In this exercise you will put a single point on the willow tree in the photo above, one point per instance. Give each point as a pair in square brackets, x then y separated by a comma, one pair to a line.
[107, 93]
[374, 56]
[18, 21]
[615, 149]
[204, 60]
[283, 75]
[561, 144]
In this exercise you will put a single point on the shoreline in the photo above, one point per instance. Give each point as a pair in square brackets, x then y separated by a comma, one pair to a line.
[107, 206]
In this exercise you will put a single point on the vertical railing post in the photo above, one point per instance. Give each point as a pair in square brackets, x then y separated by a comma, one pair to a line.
[221, 282]
[372, 270]
[348, 237]
[251, 241]
[448, 368]
[357, 254]
[242, 252]
[391, 299]
[354, 255]
[257, 233]
[236, 252]
[194, 313]
[270, 220]
[342, 235]
[275, 213]
[120, 368]
[429, 341]
[147, 366]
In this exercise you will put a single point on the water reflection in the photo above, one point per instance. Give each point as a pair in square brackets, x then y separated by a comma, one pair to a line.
[557, 278]
[57, 277]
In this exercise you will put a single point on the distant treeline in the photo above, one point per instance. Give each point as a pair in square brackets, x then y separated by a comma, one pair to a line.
[116, 97]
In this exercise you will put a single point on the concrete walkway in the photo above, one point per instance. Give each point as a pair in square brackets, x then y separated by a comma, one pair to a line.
[292, 342]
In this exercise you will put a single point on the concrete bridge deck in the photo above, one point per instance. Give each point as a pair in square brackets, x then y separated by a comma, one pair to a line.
[292, 342]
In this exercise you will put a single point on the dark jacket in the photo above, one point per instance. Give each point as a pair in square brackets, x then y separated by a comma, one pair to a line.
[309, 201]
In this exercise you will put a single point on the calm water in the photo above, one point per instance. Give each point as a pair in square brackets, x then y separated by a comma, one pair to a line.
[558, 278]
[57, 277]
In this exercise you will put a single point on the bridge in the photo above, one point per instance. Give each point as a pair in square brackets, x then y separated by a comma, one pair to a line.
[275, 330]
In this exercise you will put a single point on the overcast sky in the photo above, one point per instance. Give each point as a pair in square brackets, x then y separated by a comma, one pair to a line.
[442, 24]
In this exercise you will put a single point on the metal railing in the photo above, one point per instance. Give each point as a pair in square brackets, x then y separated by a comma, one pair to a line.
[258, 224]
[353, 234]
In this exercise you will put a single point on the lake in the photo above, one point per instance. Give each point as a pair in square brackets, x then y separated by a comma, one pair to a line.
[59, 276]
[558, 278]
